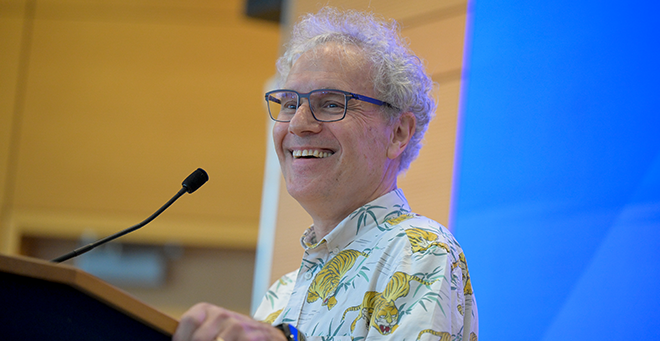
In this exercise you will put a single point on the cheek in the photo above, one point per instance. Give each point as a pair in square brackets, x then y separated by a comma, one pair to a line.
[368, 154]
[279, 131]
[374, 143]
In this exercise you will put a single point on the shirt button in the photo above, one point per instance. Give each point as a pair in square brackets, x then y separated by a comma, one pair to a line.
[308, 276]
[336, 250]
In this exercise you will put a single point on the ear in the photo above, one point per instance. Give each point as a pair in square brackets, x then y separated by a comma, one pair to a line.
[402, 131]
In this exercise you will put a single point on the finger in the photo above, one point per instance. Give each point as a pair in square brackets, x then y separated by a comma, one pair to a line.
[235, 326]
[213, 325]
[227, 331]
[190, 321]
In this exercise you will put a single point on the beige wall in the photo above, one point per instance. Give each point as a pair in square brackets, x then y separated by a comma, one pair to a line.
[436, 31]
[106, 106]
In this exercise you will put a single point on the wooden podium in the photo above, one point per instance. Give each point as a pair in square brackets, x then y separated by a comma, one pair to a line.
[45, 301]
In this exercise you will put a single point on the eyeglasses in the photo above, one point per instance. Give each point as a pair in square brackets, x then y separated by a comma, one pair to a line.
[327, 105]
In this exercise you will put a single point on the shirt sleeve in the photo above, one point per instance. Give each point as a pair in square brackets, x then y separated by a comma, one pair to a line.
[429, 297]
[276, 299]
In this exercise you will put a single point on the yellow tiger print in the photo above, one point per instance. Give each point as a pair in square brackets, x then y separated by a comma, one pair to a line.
[273, 316]
[444, 336]
[379, 308]
[325, 282]
[473, 337]
[397, 220]
[467, 283]
[422, 240]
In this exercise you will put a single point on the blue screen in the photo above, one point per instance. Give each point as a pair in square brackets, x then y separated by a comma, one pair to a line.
[557, 199]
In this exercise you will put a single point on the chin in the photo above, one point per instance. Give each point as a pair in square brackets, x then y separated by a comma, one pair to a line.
[306, 193]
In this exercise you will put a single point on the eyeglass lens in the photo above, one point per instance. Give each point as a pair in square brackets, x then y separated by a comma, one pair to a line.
[326, 105]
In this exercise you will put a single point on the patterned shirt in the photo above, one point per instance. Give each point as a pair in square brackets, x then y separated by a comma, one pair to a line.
[383, 273]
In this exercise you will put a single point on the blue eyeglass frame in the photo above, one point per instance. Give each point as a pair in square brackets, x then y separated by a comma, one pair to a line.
[349, 96]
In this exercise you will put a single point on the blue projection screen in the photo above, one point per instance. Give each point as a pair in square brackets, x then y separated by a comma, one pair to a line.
[557, 201]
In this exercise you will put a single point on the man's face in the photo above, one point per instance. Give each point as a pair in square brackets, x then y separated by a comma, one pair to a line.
[348, 164]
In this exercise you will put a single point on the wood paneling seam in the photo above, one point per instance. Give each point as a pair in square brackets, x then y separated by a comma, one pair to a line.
[16, 122]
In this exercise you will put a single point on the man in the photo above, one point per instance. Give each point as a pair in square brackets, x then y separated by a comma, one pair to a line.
[354, 106]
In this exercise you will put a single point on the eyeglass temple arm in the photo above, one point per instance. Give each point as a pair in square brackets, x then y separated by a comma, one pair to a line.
[273, 99]
[371, 100]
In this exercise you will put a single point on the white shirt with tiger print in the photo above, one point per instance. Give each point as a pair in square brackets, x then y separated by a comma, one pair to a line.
[383, 273]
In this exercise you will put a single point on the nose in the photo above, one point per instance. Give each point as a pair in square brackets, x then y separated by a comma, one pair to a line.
[303, 122]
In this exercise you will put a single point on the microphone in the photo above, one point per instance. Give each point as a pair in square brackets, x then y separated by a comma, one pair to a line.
[190, 184]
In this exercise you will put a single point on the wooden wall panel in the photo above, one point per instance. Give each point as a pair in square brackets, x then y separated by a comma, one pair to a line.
[122, 100]
[407, 13]
[115, 104]
[440, 44]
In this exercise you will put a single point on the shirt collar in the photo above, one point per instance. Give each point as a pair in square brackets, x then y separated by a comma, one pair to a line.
[373, 215]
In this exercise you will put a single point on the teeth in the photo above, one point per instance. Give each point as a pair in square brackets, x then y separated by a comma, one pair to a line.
[308, 152]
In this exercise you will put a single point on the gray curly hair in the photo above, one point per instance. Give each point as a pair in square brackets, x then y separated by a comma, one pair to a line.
[399, 76]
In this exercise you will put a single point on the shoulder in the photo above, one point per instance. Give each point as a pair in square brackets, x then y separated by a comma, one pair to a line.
[425, 236]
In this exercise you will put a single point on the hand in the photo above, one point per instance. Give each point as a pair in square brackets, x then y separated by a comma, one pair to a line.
[206, 322]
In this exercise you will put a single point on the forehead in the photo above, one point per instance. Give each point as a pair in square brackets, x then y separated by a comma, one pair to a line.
[331, 66]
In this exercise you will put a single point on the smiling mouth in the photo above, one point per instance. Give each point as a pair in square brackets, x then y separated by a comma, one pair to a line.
[310, 154]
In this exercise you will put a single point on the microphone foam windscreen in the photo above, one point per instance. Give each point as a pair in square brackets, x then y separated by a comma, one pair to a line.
[195, 180]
